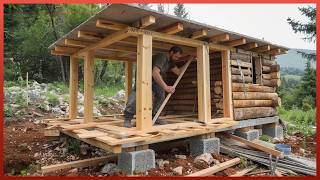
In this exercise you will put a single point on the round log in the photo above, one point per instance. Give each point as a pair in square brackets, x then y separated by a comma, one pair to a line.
[267, 62]
[236, 71]
[273, 75]
[254, 112]
[238, 87]
[254, 103]
[272, 82]
[238, 78]
[254, 95]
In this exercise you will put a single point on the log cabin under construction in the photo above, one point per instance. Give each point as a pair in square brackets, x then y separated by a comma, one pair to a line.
[232, 84]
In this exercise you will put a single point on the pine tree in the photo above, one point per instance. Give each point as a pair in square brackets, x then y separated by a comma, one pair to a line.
[180, 11]
[145, 6]
[161, 8]
[308, 28]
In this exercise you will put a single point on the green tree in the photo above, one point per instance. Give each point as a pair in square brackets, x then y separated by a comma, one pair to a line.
[161, 8]
[306, 28]
[180, 11]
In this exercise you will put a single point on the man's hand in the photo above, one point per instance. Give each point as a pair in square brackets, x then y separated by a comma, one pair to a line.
[170, 89]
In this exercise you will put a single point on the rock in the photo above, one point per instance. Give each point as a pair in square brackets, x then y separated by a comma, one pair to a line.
[36, 155]
[206, 157]
[57, 149]
[75, 170]
[178, 170]
[181, 156]
[57, 110]
[215, 161]
[120, 95]
[110, 169]
[84, 149]
[302, 151]
[161, 163]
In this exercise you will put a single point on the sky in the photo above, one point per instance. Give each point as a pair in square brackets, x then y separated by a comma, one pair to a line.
[268, 21]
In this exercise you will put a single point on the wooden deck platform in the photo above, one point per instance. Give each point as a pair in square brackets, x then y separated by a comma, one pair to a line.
[108, 133]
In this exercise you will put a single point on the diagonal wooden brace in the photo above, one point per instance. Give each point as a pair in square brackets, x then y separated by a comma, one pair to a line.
[169, 95]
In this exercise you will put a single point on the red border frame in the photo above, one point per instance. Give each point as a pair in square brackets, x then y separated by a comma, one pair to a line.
[145, 1]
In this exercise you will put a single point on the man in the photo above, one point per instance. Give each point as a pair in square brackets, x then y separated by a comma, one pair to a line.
[161, 64]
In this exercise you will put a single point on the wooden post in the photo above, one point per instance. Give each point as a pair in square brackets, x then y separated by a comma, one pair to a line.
[203, 78]
[88, 86]
[73, 87]
[144, 83]
[128, 78]
[226, 84]
[258, 69]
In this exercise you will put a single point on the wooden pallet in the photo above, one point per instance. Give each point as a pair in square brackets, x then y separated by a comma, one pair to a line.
[108, 133]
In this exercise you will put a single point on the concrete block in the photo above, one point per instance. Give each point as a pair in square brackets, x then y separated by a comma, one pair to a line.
[248, 135]
[273, 130]
[200, 146]
[137, 161]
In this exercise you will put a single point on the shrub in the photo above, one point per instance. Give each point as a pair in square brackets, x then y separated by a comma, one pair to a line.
[52, 99]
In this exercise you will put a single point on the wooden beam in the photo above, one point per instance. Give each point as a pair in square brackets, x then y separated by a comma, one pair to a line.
[68, 50]
[144, 22]
[258, 69]
[110, 25]
[262, 48]
[60, 53]
[172, 29]
[274, 51]
[88, 86]
[128, 79]
[236, 42]
[203, 79]
[76, 43]
[144, 83]
[255, 145]
[199, 34]
[73, 87]
[166, 37]
[249, 46]
[89, 35]
[79, 164]
[216, 168]
[219, 38]
[226, 84]
[112, 38]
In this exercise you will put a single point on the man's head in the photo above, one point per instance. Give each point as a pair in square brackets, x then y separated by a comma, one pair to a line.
[175, 53]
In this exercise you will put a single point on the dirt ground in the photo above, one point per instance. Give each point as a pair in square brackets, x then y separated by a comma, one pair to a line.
[26, 150]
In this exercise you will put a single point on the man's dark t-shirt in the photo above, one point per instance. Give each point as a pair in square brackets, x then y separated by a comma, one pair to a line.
[163, 62]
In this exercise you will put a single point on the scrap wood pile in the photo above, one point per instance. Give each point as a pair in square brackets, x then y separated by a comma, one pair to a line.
[287, 165]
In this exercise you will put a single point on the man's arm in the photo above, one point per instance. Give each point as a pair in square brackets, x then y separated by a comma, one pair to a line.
[158, 78]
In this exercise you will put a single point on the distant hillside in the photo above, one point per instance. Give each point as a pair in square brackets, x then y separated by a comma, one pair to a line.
[292, 59]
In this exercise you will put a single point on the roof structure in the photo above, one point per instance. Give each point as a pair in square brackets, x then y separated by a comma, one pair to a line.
[117, 16]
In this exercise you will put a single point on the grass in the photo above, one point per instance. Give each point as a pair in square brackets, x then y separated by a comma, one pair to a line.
[297, 119]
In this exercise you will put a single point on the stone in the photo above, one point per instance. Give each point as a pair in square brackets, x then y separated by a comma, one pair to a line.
[181, 156]
[161, 163]
[84, 149]
[206, 157]
[273, 130]
[120, 95]
[110, 169]
[200, 146]
[248, 135]
[137, 161]
[178, 170]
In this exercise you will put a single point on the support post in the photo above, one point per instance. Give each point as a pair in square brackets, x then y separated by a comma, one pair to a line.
[73, 87]
[226, 84]
[128, 79]
[88, 86]
[144, 83]
[203, 79]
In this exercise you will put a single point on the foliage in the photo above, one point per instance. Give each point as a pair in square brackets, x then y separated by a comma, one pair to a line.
[297, 119]
[306, 28]
[180, 11]
[8, 112]
[160, 8]
[73, 145]
[52, 99]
